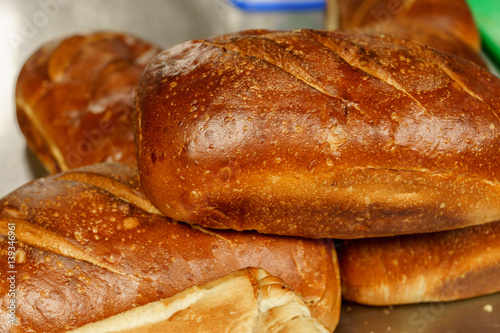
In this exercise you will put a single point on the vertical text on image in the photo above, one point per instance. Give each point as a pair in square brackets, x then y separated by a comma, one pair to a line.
[11, 273]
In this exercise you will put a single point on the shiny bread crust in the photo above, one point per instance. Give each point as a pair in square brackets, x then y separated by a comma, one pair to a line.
[90, 245]
[437, 267]
[319, 134]
[75, 98]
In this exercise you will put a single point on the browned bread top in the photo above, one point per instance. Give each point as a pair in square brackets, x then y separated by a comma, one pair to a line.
[319, 134]
[75, 96]
[435, 267]
[90, 245]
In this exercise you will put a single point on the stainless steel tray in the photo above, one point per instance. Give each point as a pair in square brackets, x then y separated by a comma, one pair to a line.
[27, 24]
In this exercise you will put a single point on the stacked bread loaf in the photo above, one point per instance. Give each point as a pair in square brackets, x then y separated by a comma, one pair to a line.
[253, 152]
[319, 134]
[90, 245]
[75, 98]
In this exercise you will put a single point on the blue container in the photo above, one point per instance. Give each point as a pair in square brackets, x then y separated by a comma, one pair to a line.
[279, 5]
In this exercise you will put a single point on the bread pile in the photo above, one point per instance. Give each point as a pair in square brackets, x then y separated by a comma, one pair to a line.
[253, 152]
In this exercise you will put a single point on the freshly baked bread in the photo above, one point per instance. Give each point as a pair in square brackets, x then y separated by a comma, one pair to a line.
[436, 267]
[443, 16]
[248, 300]
[319, 134]
[90, 245]
[75, 97]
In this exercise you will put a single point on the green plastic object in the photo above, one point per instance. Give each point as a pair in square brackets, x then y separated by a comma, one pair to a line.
[487, 16]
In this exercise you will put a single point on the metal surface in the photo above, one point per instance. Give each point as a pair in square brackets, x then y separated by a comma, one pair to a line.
[27, 24]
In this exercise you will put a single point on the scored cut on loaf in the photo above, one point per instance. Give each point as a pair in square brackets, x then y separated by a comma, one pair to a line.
[435, 267]
[75, 97]
[319, 134]
[249, 300]
[90, 245]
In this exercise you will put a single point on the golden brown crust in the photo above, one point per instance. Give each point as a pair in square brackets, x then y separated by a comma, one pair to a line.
[434, 267]
[319, 134]
[245, 301]
[89, 248]
[75, 97]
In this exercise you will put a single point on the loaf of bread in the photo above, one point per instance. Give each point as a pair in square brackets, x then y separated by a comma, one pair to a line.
[432, 267]
[436, 267]
[319, 134]
[246, 301]
[89, 245]
[445, 25]
[75, 97]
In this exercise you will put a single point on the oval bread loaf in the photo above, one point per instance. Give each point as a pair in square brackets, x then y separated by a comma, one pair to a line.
[319, 134]
[75, 97]
[436, 267]
[89, 245]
